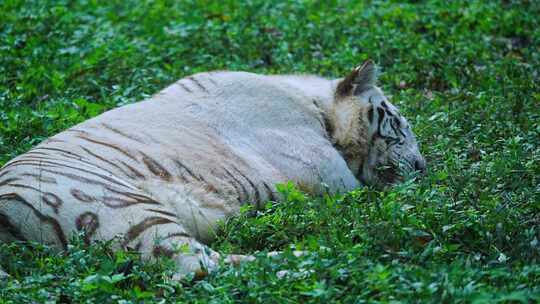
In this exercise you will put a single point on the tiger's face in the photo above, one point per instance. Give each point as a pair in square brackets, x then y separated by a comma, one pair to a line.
[393, 151]
[375, 139]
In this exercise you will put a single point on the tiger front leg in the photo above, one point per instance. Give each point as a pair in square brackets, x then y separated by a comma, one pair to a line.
[192, 257]
[172, 241]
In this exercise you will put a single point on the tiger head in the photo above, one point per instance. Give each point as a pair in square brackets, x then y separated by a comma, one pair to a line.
[375, 139]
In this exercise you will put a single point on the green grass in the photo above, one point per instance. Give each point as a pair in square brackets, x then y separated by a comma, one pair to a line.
[465, 73]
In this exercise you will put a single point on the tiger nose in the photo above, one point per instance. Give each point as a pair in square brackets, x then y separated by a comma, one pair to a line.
[420, 165]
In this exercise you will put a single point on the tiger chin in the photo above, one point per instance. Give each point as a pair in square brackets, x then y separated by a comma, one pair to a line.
[160, 174]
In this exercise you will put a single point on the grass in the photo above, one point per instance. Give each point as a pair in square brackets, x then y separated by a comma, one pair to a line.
[465, 73]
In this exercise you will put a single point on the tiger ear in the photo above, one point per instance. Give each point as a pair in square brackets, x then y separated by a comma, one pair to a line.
[359, 80]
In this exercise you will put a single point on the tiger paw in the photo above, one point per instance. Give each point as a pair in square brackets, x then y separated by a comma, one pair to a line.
[199, 264]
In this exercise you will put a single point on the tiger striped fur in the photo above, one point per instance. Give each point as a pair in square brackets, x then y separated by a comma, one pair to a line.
[162, 172]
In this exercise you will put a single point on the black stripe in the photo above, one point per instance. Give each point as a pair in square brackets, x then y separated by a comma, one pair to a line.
[111, 128]
[156, 168]
[52, 200]
[244, 191]
[77, 131]
[271, 195]
[380, 114]
[198, 84]
[74, 157]
[328, 125]
[76, 177]
[184, 87]
[106, 161]
[141, 227]
[89, 223]
[136, 199]
[133, 170]
[9, 180]
[54, 164]
[257, 194]
[6, 225]
[212, 80]
[393, 126]
[53, 204]
[66, 155]
[41, 178]
[36, 152]
[52, 140]
[109, 145]
[21, 162]
[43, 218]
[234, 183]
[180, 165]
[81, 196]
[296, 158]
[59, 150]
[370, 115]
[177, 234]
[4, 173]
[118, 202]
[162, 212]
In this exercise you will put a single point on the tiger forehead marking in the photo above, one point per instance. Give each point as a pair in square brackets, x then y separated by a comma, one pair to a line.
[163, 172]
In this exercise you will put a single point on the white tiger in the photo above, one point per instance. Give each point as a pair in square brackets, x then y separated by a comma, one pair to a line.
[163, 172]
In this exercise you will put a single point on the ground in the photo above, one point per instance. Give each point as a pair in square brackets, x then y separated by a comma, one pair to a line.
[465, 73]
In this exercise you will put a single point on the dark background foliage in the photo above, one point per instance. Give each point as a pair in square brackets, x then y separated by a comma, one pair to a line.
[465, 73]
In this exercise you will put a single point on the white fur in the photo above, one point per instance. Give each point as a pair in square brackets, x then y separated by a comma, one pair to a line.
[238, 133]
